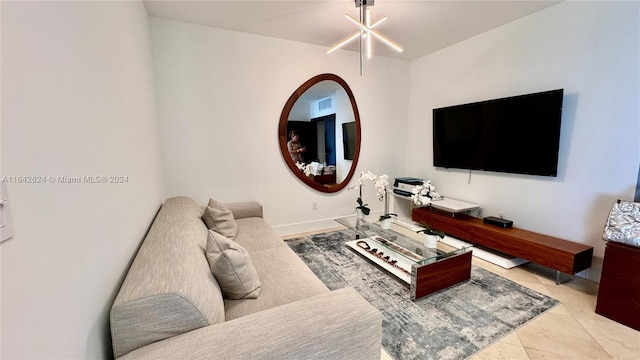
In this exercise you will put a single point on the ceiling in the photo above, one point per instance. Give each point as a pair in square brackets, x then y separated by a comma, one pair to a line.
[419, 26]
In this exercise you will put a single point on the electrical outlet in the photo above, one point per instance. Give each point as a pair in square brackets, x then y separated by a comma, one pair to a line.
[314, 205]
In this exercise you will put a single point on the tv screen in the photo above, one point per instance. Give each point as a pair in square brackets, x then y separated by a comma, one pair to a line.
[349, 139]
[519, 134]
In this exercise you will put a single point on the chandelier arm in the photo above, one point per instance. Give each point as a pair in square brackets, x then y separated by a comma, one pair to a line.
[386, 41]
[363, 26]
[344, 42]
[378, 22]
[355, 21]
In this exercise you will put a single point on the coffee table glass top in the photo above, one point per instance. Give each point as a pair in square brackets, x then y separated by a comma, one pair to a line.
[410, 249]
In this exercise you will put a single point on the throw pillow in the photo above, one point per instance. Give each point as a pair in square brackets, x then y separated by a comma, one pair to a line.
[232, 267]
[220, 219]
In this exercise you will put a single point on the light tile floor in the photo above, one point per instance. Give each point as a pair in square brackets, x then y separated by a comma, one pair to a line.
[570, 330]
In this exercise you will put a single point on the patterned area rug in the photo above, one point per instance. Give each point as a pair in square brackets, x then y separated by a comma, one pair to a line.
[454, 323]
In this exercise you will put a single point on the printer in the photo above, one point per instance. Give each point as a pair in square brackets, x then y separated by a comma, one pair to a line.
[403, 185]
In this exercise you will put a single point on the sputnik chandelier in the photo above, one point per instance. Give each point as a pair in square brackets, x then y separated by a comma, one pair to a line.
[365, 32]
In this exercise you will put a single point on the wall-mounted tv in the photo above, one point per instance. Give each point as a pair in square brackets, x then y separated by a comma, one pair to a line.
[349, 139]
[519, 134]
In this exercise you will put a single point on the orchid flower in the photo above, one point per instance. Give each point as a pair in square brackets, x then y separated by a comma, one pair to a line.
[381, 185]
[423, 194]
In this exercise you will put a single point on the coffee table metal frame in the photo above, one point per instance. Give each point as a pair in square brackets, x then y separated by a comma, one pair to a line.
[431, 269]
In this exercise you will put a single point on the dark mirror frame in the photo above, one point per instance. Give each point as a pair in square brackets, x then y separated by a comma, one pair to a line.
[282, 133]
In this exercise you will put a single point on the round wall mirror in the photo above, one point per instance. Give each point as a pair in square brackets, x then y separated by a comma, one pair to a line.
[319, 133]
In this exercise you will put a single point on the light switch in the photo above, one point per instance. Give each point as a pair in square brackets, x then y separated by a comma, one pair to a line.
[6, 223]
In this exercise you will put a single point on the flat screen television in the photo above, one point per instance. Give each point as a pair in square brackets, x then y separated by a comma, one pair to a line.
[519, 134]
[349, 140]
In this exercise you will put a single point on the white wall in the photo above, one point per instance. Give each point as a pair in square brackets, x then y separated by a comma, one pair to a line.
[3, 190]
[301, 111]
[77, 99]
[591, 49]
[220, 95]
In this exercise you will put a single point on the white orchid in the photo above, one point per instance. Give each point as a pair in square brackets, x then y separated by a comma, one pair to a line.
[360, 182]
[423, 194]
[306, 169]
[382, 184]
[358, 185]
[368, 176]
[313, 168]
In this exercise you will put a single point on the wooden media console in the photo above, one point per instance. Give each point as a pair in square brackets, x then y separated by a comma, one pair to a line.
[562, 255]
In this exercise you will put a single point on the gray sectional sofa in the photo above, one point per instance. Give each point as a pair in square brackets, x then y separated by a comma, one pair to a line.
[171, 306]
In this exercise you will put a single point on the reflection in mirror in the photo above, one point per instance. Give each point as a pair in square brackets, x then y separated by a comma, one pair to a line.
[320, 133]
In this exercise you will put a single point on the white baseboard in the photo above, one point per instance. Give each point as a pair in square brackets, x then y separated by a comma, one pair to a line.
[307, 226]
[407, 223]
[314, 225]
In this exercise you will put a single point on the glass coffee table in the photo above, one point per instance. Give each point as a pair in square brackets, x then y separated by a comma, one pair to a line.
[425, 270]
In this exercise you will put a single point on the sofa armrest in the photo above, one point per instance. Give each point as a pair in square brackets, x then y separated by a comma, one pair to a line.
[336, 325]
[245, 209]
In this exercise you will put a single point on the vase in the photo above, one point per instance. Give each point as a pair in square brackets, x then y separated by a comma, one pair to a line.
[385, 223]
[359, 214]
[431, 241]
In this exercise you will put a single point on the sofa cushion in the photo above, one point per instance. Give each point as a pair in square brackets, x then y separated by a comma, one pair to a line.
[231, 265]
[254, 234]
[245, 209]
[220, 219]
[285, 278]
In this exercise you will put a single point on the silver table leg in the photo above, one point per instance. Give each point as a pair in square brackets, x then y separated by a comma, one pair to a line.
[559, 278]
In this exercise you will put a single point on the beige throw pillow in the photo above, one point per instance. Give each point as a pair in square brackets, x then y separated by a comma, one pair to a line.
[220, 219]
[231, 265]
